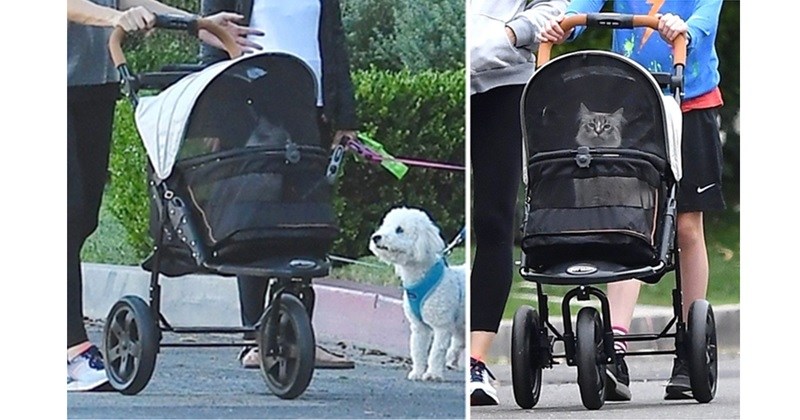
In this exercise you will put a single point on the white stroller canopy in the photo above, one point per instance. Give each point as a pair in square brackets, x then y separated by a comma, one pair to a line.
[162, 120]
[674, 123]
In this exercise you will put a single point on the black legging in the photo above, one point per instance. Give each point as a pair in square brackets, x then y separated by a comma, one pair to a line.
[90, 116]
[496, 151]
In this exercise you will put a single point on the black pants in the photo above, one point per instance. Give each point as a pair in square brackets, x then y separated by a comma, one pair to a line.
[496, 144]
[90, 116]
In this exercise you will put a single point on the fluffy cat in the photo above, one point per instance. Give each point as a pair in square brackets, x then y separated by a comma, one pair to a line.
[268, 134]
[599, 129]
[603, 129]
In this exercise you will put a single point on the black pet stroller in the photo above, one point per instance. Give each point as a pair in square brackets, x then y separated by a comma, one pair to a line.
[596, 214]
[240, 183]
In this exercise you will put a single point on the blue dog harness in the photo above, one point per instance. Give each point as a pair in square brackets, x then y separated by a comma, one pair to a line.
[417, 293]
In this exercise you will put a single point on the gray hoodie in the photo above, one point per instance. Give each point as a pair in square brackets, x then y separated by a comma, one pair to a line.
[493, 60]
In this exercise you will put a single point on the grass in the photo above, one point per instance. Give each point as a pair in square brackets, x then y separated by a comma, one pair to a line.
[108, 243]
[369, 270]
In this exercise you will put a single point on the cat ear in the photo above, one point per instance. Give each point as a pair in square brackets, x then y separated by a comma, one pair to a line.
[618, 113]
[584, 109]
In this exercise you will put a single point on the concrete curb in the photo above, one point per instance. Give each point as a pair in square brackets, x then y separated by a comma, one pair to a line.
[646, 319]
[372, 317]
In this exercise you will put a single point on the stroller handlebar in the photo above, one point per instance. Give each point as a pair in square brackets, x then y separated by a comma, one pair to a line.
[192, 24]
[613, 21]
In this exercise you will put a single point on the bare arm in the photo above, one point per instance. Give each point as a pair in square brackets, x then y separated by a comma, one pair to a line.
[153, 6]
[88, 13]
[225, 19]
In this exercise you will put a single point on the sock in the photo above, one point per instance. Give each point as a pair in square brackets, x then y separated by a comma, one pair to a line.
[620, 346]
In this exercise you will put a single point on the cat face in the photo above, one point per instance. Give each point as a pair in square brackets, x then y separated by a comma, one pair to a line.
[599, 129]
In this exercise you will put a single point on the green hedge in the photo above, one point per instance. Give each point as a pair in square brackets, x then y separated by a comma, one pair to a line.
[418, 115]
[414, 115]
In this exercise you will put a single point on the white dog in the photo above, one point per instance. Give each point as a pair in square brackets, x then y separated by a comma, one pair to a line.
[434, 292]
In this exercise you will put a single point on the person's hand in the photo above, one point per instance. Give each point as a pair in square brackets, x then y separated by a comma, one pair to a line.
[341, 134]
[552, 32]
[512, 37]
[240, 33]
[670, 26]
[135, 19]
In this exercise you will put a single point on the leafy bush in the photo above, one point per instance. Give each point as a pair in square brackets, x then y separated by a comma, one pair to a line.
[405, 34]
[416, 115]
[419, 115]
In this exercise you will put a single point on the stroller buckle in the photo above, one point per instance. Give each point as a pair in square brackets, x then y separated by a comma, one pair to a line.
[583, 158]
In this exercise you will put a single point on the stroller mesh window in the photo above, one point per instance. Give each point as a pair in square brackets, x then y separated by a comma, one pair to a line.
[255, 103]
[597, 162]
[251, 168]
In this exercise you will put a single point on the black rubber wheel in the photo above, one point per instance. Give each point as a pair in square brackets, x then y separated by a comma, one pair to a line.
[702, 354]
[130, 345]
[526, 370]
[287, 370]
[589, 356]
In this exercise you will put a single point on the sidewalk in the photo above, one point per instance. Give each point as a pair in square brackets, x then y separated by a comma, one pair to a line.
[364, 315]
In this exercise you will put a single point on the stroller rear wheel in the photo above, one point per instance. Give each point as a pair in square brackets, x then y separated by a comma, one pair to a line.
[286, 350]
[130, 345]
[526, 369]
[702, 352]
[589, 354]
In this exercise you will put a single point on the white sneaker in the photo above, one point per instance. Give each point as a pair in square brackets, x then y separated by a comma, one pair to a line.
[86, 371]
[481, 392]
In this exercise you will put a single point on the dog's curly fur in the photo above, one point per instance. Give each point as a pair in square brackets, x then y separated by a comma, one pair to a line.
[409, 240]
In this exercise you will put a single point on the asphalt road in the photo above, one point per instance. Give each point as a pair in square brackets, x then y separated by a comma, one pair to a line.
[208, 382]
[560, 397]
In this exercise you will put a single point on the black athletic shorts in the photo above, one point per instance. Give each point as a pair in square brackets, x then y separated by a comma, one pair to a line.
[700, 188]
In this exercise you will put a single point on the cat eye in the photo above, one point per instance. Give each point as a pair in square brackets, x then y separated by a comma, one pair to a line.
[399, 230]
[606, 126]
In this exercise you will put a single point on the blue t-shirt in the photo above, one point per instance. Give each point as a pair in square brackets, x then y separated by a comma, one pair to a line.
[646, 47]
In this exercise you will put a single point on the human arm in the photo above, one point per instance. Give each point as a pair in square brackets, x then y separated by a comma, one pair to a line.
[88, 13]
[523, 28]
[225, 19]
[701, 24]
[343, 108]
[552, 31]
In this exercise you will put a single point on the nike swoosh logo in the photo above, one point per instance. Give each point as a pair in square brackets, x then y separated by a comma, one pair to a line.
[703, 189]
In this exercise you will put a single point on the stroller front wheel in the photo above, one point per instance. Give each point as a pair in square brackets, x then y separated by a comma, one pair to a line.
[526, 369]
[130, 345]
[589, 353]
[702, 352]
[287, 348]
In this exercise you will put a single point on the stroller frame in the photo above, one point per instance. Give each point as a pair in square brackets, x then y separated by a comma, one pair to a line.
[589, 344]
[134, 328]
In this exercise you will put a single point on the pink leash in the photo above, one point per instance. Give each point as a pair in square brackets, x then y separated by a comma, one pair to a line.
[367, 153]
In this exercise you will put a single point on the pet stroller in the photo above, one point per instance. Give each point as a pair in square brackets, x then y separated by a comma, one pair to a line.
[237, 186]
[600, 213]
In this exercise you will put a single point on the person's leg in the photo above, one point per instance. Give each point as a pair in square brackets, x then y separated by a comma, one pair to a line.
[622, 298]
[694, 259]
[252, 298]
[90, 116]
[700, 191]
[496, 149]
